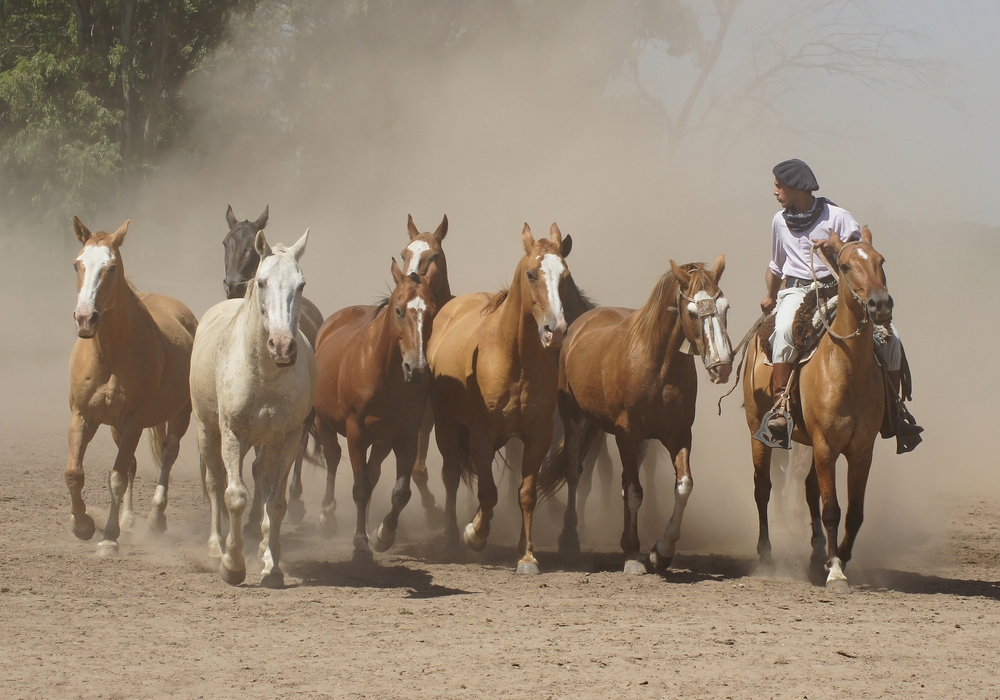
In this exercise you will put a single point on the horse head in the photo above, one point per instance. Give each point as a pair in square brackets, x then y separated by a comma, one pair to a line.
[97, 266]
[703, 316]
[424, 255]
[412, 305]
[241, 256]
[279, 295]
[859, 266]
[545, 274]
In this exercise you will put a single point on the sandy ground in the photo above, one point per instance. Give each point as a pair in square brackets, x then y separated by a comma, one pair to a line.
[157, 621]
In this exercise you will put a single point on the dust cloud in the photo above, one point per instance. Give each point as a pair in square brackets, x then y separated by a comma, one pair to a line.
[508, 130]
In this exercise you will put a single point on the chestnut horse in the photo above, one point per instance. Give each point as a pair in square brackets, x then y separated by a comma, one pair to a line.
[842, 397]
[253, 382]
[425, 255]
[624, 372]
[372, 389]
[129, 370]
[242, 260]
[494, 365]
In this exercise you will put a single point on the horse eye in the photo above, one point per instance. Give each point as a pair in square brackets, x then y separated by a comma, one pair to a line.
[532, 276]
[399, 311]
[76, 267]
[261, 283]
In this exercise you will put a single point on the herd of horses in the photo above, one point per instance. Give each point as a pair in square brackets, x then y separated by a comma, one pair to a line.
[265, 370]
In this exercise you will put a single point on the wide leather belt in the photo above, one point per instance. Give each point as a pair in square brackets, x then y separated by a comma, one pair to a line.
[800, 282]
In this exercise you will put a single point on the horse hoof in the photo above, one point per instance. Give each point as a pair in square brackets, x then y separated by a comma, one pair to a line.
[275, 579]
[296, 511]
[659, 561]
[838, 586]
[382, 540]
[327, 526]
[233, 578]
[83, 527]
[528, 567]
[157, 522]
[634, 567]
[434, 517]
[107, 548]
[470, 539]
[569, 545]
[362, 556]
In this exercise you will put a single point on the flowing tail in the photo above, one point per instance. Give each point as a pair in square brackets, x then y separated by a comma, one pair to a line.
[157, 434]
[552, 474]
[315, 455]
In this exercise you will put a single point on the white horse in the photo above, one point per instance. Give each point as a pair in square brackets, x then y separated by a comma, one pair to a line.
[253, 382]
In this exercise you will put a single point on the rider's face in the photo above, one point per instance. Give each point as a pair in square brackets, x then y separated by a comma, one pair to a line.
[782, 192]
[797, 200]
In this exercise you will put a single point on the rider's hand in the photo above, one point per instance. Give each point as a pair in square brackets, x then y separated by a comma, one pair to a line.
[767, 304]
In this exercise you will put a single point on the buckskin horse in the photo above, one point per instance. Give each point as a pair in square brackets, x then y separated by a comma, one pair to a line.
[372, 370]
[630, 373]
[129, 370]
[242, 260]
[842, 400]
[253, 382]
[494, 365]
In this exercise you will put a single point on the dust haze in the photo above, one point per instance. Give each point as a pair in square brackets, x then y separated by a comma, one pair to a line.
[512, 131]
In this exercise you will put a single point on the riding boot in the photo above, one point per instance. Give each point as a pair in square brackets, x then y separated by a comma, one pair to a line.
[907, 430]
[778, 424]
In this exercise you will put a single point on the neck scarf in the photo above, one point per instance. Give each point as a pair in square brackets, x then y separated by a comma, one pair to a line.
[798, 223]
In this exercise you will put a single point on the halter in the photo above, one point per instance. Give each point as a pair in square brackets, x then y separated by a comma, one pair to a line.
[706, 308]
[819, 303]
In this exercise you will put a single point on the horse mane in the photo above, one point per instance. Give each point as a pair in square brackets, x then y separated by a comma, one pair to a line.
[650, 322]
[382, 303]
[496, 300]
[575, 305]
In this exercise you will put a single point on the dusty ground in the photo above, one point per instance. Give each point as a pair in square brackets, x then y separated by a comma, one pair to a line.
[158, 622]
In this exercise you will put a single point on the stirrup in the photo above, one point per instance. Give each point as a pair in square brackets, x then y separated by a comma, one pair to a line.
[764, 434]
[908, 432]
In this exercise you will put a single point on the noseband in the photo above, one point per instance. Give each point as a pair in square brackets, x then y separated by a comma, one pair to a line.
[705, 308]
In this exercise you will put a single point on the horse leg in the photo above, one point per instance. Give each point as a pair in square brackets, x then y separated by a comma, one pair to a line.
[514, 458]
[825, 460]
[477, 532]
[800, 463]
[406, 453]
[331, 455]
[176, 427]
[664, 550]
[252, 530]
[118, 478]
[632, 496]
[536, 446]
[453, 443]
[81, 432]
[574, 431]
[779, 471]
[433, 515]
[605, 472]
[296, 508]
[126, 514]
[592, 459]
[818, 540]
[858, 467]
[761, 455]
[233, 568]
[213, 476]
[277, 468]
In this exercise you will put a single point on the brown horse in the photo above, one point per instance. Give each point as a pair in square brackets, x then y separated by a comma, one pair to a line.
[242, 261]
[623, 371]
[424, 254]
[372, 389]
[129, 369]
[842, 397]
[494, 365]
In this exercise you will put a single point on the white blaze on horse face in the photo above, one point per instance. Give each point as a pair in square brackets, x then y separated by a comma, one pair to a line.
[281, 293]
[419, 308]
[718, 349]
[93, 258]
[553, 268]
[417, 249]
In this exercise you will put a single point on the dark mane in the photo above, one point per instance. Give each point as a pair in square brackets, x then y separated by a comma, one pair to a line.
[576, 303]
[381, 303]
[495, 301]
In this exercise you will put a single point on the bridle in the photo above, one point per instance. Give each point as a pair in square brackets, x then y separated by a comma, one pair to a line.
[821, 305]
[705, 308]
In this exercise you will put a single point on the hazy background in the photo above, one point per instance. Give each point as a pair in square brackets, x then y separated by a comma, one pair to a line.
[344, 117]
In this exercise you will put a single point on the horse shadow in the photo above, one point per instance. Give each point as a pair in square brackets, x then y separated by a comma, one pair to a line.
[361, 572]
[922, 584]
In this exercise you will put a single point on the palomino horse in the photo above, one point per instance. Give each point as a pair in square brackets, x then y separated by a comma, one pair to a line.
[129, 370]
[842, 396]
[242, 260]
[253, 381]
[372, 367]
[494, 376]
[624, 372]
[424, 254]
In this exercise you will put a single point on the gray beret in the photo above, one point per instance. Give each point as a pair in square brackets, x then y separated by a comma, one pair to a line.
[796, 174]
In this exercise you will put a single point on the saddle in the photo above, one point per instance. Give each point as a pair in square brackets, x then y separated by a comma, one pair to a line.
[807, 327]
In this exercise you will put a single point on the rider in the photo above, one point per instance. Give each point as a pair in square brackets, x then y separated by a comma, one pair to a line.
[804, 219]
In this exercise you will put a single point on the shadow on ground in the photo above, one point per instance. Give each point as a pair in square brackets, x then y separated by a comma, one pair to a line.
[910, 582]
[360, 573]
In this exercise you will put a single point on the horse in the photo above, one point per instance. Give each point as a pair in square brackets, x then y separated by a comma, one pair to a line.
[630, 373]
[242, 261]
[842, 399]
[373, 384]
[129, 370]
[424, 252]
[494, 371]
[253, 382]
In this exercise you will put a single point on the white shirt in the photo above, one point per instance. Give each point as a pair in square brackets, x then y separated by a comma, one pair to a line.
[790, 250]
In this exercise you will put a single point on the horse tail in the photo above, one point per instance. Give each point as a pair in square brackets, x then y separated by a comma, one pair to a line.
[157, 434]
[552, 474]
[315, 455]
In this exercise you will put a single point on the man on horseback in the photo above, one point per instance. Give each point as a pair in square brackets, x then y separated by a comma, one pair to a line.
[803, 221]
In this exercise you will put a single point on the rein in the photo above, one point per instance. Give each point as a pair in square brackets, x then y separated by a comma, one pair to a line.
[819, 302]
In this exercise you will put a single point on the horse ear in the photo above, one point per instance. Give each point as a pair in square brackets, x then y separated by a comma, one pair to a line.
[527, 238]
[261, 221]
[833, 243]
[411, 227]
[866, 234]
[261, 246]
[442, 229]
[300, 246]
[397, 274]
[555, 235]
[718, 268]
[414, 277]
[231, 217]
[682, 276]
[118, 237]
[567, 246]
[83, 233]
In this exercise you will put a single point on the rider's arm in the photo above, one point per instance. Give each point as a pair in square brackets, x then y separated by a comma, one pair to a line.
[772, 278]
[773, 283]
